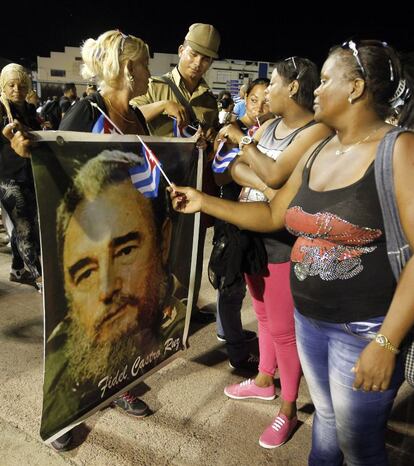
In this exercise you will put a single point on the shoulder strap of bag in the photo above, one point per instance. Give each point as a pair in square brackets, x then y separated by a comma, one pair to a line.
[398, 248]
[183, 101]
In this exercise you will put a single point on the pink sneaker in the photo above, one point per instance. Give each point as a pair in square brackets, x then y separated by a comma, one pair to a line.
[248, 389]
[278, 432]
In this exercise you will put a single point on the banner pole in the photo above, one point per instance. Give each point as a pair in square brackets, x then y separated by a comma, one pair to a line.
[194, 251]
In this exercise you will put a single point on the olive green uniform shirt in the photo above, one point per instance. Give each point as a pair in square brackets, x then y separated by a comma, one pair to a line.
[202, 101]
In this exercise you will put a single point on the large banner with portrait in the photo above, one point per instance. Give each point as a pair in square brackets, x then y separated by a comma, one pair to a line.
[117, 265]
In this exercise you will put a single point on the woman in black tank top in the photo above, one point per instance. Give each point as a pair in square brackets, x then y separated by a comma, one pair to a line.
[351, 318]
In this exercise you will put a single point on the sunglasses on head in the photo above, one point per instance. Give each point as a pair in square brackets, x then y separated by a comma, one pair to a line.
[292, 59]
[299, 73]
[353, 47]
[122, 43]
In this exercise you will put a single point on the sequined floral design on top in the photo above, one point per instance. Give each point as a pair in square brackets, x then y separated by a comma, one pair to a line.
[327, 245]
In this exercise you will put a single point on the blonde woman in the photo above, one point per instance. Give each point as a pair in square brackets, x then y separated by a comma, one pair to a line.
[17, 194]
[119, 64]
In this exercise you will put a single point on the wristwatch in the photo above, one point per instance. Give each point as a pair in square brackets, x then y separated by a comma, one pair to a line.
[383, 341]
[244, 141]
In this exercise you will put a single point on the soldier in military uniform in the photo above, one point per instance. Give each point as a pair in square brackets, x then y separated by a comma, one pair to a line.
[185, 86]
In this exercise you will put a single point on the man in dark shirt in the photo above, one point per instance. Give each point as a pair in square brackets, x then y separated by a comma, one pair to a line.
[69, 97]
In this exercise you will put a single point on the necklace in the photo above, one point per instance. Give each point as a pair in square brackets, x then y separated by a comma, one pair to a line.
[344, 151]
[118, 113]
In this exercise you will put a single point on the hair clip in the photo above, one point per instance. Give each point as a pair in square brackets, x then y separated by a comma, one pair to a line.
[293, 61]
[99, 53]
[391, 70]
[122, 43]
[401, 94]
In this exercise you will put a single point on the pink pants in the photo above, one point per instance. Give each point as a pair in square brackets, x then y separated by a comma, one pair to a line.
[273, 304]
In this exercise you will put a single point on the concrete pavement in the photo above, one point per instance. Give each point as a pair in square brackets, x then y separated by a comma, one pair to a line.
[193, 422]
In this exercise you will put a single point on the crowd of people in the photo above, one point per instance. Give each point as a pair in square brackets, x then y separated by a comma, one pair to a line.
[300, 187]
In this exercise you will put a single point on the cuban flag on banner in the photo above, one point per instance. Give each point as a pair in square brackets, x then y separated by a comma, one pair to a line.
[222, 161]
[103, 126]
[146, 177]
[184, 132]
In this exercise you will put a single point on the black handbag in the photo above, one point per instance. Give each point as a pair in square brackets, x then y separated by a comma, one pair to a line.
[235, 252]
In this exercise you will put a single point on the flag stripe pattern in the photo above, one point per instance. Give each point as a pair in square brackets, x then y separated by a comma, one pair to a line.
[222, 161]
[103, 126]
[184, 132]
[176, 130]
[146, 177]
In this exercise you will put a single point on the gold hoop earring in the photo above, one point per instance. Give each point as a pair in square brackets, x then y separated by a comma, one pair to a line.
[350, 99]
[130, 78]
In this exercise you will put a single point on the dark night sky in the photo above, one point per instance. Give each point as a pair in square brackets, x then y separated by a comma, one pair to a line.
[263, 32]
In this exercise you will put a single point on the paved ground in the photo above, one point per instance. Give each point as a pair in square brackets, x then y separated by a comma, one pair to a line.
[193, 422]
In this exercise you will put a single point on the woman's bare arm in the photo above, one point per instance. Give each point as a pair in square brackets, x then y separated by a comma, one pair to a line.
[275, 172]
[254, 216]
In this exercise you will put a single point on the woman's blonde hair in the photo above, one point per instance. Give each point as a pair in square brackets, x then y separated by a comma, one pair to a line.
[105, 57]
[5, 76]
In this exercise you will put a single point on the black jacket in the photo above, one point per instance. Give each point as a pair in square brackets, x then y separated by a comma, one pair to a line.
[82, 116]
[12, 166]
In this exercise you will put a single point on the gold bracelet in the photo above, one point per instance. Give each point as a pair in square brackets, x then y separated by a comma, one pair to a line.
[383, 341]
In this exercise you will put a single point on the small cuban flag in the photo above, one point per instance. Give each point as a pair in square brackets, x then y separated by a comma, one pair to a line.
[103, 126]
[222, 161]
[146, 177]
[184, 132]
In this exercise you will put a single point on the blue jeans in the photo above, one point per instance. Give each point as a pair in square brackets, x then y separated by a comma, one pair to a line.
[229, 322]
[348, 424]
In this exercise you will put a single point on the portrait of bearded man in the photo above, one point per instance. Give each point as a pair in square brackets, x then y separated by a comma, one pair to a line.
[122, 318]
